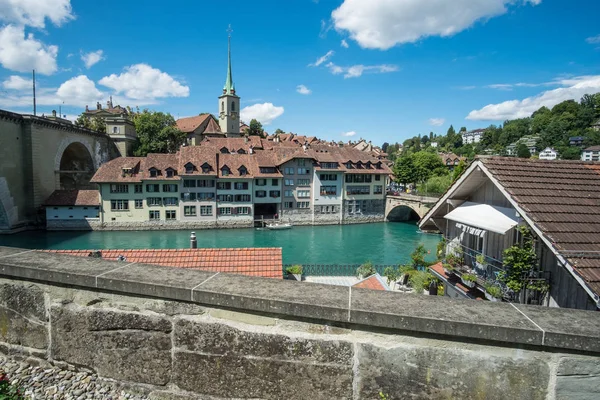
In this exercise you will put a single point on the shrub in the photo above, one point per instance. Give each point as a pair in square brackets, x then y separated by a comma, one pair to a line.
[418, 256]
[366, 269]
[420, 280]
[448, 267]
[480, 258]
[8, 391]
[469, 277]
[294, 270]
[391, 273]
[494, 291]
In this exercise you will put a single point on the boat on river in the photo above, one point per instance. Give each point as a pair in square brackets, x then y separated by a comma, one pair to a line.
[279, 226]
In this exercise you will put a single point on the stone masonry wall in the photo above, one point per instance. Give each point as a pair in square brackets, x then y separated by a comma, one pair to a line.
[190, 348]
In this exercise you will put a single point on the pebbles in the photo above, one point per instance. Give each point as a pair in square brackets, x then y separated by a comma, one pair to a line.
[47, 381]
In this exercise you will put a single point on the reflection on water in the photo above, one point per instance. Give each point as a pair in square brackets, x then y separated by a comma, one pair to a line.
[381, 243]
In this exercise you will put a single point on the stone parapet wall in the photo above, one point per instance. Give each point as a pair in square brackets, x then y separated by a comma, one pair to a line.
[178, 333]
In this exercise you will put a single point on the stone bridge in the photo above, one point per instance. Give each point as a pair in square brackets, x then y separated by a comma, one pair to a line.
[39, 155]
[407, 207]
[182, 333]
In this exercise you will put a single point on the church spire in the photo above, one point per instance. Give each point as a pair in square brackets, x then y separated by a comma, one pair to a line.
[229, 87]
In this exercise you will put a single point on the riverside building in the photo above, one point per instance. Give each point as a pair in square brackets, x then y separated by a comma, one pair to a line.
[227, 183]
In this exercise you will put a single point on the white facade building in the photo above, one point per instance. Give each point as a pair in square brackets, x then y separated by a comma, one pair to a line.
[591, 154]
[548, 154]
[473, 136]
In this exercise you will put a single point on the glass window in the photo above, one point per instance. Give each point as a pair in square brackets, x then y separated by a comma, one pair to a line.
[189, 183]
[154, 215]
[274, 194]
[170, 201]
[274, 182]
[261, 182]
[225, 171]
[206, 183]
[224, 210]
[224, 185]
[154, 201]
[328, 177]
[205, 210]
[119, 188]
[288, 170]
[288, 204]
[303, 204]
[206, 196]
[242, 210]
[139, 203]
[358, 190]
[189, 211]
[303, 193]
[170, 172]
[169, 188]
[289, 182]
[242, 198]
[189, 168]
[241, 186]
[289, 193]
[301, 162]
[378, 189]
[119, 205]
[328, 190]
[260, 193]
[225, 197]
[188, 196]
[153, 188]
[171, 215]
[138, 188]
[303, 182]
[153, 172]
[303, 171]
[377, 177]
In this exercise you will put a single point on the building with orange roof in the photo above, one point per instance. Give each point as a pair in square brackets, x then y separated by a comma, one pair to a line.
[264, 262]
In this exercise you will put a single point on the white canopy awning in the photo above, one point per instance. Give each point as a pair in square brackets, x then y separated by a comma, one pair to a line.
[484, 216]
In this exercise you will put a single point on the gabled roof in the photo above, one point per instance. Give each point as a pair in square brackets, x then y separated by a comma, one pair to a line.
[190, 124]
[374, 282]
[265, 262]
[73, 198]
[559, 199]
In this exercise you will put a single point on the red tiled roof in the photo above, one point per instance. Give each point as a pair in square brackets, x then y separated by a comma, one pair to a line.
[190, 124]
[265, 262]
[374, 282]
[562, 198]
[73, 198]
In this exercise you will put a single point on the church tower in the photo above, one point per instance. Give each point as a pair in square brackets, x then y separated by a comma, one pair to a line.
[229, 102]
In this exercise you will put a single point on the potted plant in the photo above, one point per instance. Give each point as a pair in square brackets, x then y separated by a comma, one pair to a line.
[448, 269]
[480, 262]
[493, 293]
[365, 270]
[468, 280]
[295, 271]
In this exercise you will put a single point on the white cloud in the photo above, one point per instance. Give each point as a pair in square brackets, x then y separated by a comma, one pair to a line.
[34, 12]
[23, 53]
[381, 24]
[356, 71]
[344, 44]
[348, 134]
[325, 27]
[142, 82]
[15, 82]
[572, 88]
[92, 58]
[265, 113]
[303, 89]
[322, 59]
[79, 90]
[593, 39]
[436, 121]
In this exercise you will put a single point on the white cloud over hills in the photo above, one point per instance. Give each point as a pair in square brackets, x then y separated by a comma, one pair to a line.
[572, 88]
[303, 90]
[142, 82]
[23, 53]
[436, 121]
[34, 12]
[381, 24]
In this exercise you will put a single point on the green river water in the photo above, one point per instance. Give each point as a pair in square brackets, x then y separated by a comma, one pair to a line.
[380, 243]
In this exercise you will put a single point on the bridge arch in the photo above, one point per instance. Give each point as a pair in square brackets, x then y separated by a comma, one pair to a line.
[74, 165]
[401, 213]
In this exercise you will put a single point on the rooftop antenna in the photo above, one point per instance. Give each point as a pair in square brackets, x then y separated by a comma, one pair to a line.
[34, 110]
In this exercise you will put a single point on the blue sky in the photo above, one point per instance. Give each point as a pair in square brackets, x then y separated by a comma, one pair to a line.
[389, 69]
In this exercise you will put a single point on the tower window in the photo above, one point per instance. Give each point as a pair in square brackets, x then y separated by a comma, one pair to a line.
[222, 106]
[233, 106]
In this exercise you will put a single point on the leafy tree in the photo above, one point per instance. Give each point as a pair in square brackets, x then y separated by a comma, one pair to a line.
[83, 122]
[404, 170]
[426, 165]
[384, 147]
[569, 153]
[156, 133]
[519, 261]
[279, 131]
[458, 170]
[523, 151]
[436, 184]
[255, 128]
[418, 257]
[98, 124]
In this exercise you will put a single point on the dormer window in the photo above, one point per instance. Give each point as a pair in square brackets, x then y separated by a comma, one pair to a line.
[241, 151]
[127, 172]
[206, 168]
[224, 150]
[359, 165]
[378, 165]
[368, 164]
[153, 172]
[243, 170]
[225, 171]
[349, 165]
[189, 168]
[170, 172]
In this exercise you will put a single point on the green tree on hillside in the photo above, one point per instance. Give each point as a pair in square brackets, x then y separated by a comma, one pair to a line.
[523, 151]
[255, 128]
[404, 170]
[157, 133]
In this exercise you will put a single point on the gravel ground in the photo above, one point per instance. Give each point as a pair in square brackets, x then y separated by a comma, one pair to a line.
[52, 382]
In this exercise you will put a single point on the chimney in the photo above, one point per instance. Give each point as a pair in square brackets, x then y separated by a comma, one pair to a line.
[277, 138]
[193, 241]
[304, 146]
[54, 113]
[245, 138]
[251, 150]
